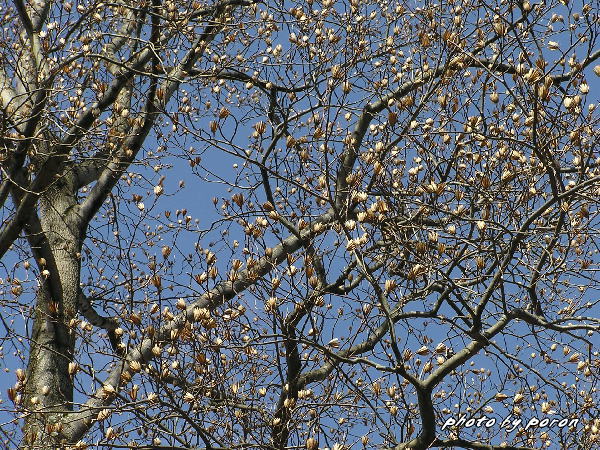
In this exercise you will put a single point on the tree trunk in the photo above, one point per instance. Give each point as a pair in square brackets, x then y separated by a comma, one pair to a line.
[48, 386]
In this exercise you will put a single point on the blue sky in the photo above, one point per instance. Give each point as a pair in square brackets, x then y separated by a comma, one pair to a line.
[116, 253]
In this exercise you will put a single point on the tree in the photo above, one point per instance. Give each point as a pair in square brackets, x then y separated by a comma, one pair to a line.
[405, 241]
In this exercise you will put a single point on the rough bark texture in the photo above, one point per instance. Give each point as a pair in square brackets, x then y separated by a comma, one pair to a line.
[52, 339]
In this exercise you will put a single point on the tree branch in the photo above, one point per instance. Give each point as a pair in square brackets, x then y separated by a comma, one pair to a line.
[463, 443]
[111, 174]
[77, 424]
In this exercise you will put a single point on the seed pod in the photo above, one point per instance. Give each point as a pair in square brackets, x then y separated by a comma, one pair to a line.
[311, 443]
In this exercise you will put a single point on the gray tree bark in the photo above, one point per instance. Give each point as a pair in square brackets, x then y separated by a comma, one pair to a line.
[48, 384]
